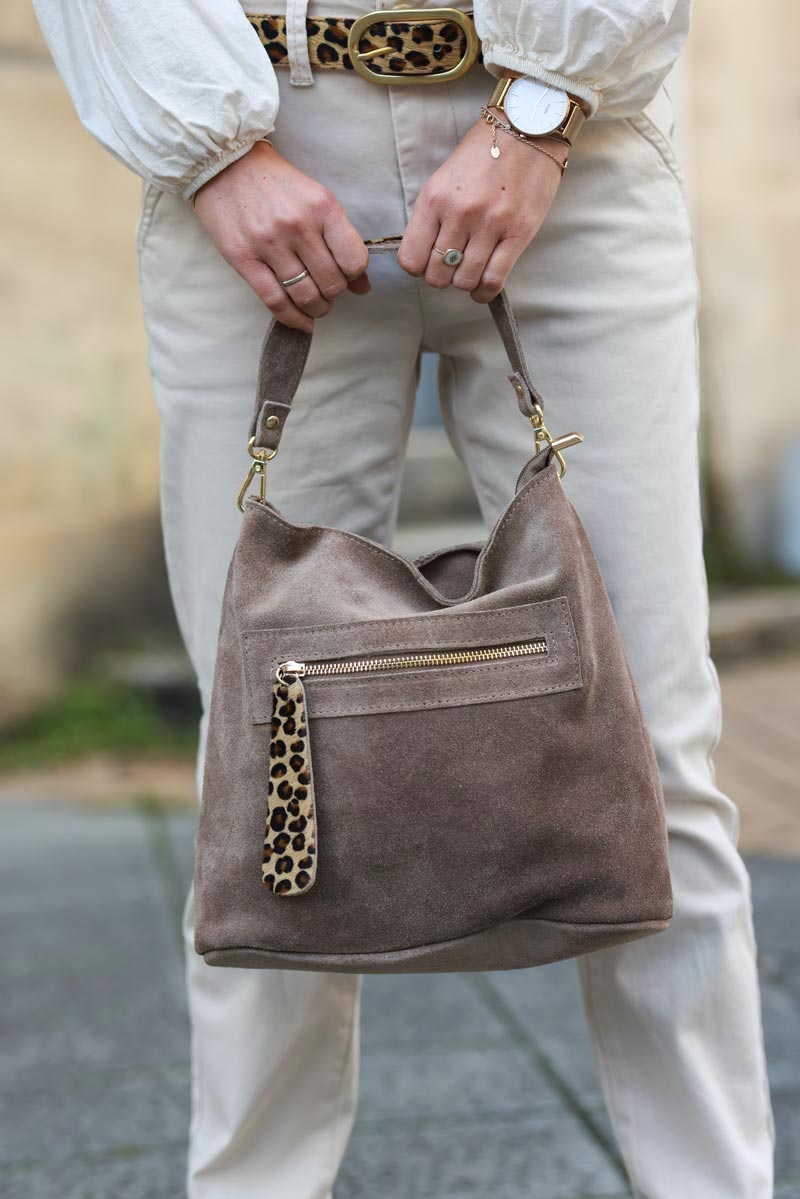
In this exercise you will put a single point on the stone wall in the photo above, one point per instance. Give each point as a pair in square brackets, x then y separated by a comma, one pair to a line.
[79, 535]
[742, 142]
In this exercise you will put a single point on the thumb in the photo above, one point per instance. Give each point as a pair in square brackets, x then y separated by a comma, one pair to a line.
[361, 285]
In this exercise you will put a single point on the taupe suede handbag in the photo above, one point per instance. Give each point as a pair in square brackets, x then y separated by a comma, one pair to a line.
[423, 766]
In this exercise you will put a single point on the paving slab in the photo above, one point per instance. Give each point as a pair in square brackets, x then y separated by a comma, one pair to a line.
[776, 889]
[93, 1027]
[758, 761]
[454, 1081]
[546, 1004]
[403, 1012]
[543, 1155]
[101, 1116]
[146, 1173]
[471, 1085]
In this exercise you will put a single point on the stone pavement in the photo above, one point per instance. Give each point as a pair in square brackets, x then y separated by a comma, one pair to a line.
[473, 1087]
[758, 763]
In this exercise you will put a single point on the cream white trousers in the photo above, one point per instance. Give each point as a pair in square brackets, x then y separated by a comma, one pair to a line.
[606, 299]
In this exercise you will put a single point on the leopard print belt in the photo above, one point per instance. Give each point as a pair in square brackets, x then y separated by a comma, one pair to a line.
[392, 48]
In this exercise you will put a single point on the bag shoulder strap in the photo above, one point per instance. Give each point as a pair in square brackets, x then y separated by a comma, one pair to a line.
[285, 351]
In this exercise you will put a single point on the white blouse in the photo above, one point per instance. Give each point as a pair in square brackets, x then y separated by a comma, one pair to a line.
[178, 89]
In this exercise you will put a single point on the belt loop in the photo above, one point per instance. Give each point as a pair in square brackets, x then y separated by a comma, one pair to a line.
[300, 74]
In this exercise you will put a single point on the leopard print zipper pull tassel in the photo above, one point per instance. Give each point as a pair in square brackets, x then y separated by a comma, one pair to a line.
[290, 842]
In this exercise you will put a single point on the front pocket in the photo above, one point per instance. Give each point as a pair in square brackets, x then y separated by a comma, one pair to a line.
[289, 862]
[439, 660]
[433, 788]
[648, 131]
[149, 199]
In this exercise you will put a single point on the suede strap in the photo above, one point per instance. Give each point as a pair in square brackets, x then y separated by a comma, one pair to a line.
[285, 351]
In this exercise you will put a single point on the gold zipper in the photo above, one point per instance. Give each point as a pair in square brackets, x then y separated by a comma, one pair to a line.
[460, 657]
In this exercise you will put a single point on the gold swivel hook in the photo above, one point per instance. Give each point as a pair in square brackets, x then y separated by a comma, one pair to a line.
[259, 468]
[542, 437]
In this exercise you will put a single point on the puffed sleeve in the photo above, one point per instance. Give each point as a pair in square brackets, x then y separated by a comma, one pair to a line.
[176, 89]
[614, 54]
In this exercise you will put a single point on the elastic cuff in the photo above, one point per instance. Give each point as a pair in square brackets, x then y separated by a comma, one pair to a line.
[496, 59]
[212, 166]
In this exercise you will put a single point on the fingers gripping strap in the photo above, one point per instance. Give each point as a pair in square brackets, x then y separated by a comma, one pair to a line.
[285, 351]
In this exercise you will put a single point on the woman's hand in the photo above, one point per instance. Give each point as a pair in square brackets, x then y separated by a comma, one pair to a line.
[490, 208]
[270, 222]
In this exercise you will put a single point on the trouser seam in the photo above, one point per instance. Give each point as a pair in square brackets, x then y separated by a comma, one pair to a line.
[397, 160]
[198, 1106]
[340, 1135]
[622, 1123]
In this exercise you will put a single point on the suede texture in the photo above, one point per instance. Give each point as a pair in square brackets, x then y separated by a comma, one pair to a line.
[501, 947]
[449, 800]
[486, 816]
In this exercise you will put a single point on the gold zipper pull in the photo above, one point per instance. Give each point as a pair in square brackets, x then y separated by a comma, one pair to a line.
[296, 668]
[289, 865]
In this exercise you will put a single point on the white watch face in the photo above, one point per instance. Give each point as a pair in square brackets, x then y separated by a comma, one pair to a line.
[534, 107]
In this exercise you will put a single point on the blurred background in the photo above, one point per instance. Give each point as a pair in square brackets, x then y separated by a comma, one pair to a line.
[98, 707]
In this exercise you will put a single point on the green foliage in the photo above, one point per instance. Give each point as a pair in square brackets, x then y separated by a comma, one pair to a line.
[97, 716]
[727, 565]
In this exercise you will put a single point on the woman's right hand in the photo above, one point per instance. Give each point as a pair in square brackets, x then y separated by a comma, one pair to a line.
[270, 222]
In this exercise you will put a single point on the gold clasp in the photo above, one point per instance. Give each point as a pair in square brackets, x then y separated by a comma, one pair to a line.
[542, 437]
[260, 459]
[422, 16]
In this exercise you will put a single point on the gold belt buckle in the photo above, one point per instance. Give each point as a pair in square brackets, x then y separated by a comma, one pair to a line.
[421, 16]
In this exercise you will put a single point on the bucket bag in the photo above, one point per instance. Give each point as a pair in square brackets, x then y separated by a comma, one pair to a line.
[423, 766]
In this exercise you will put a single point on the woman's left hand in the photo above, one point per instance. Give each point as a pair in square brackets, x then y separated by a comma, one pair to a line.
[490, 208]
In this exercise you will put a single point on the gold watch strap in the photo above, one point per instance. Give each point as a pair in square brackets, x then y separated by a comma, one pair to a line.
[569, 127]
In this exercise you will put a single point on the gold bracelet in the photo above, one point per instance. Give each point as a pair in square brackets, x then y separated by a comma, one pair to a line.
[496, 124]
[193, 196]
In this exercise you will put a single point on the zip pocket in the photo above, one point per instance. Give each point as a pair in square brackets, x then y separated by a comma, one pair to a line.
[289, 863]
[415, 661]
[343, 680]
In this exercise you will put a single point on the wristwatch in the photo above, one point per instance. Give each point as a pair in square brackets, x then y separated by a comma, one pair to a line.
[536, 109]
